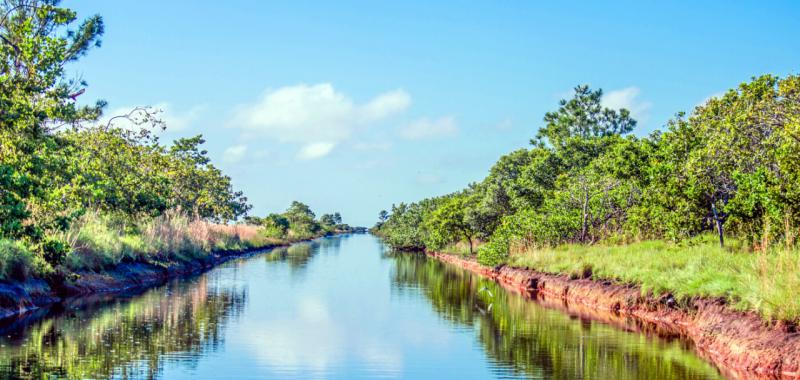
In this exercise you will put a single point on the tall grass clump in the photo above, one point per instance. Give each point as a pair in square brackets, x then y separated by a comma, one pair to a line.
[773, 280]
[98, 242]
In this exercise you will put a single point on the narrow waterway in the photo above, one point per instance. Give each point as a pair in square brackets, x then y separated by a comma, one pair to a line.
[342, 308]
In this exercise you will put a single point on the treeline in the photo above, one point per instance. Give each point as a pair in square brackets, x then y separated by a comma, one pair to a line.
[731, 168]
[77, 193]
[298, 223]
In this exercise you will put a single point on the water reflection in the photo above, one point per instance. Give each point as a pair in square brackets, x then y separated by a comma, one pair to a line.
[339, 308]
[125, 339]
[299, 255]
[523, 338]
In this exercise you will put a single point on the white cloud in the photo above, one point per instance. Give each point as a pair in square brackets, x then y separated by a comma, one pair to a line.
[315, 150]
[503, 125]
[426, 128]
[317, 116]
[628, 98]
[234, 153]
[175, 120]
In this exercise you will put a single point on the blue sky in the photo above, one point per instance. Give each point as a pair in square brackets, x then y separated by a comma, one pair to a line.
[351, 106]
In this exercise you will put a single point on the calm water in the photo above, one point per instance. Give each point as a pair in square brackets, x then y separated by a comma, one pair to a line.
[343, 308]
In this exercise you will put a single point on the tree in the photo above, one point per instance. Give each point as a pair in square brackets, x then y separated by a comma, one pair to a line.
[448, 224]
[301, 220]
[583, 117]
[37, 100]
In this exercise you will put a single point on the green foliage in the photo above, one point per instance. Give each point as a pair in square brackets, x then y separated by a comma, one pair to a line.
[448, 223]
[405, 227]
[275, 225]
[37, 99]
[17, 262]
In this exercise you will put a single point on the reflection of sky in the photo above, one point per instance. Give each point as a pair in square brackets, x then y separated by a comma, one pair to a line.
[339, 321]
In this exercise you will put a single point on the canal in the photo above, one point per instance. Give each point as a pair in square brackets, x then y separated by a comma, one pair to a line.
[341, 307]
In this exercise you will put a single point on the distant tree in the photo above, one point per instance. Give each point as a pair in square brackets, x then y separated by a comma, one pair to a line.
[327, 220]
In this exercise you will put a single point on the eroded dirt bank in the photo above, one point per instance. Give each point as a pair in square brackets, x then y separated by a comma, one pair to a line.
[742, 344]
[19, 298]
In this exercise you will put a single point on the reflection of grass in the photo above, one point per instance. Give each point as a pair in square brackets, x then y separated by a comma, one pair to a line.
[128, 336]
[761, 282]
[525, 338]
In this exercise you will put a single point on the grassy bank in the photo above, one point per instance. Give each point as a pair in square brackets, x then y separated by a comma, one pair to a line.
[98, 242]
[763, 282]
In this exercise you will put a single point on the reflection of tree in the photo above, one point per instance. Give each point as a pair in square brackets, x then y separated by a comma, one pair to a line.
[298, 255]
[524, 338]
[330, 245]
[126, 338]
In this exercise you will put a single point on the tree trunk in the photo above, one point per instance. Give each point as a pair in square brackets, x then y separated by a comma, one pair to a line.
[720, 229]
[585, 218]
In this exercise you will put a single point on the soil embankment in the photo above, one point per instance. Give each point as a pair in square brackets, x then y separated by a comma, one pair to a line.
[742, 344]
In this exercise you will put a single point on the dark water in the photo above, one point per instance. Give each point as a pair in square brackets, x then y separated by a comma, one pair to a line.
[343, 308]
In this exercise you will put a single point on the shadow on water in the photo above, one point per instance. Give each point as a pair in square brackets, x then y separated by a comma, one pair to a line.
[523, 338]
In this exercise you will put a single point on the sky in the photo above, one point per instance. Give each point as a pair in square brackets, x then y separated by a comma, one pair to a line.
[352, 106]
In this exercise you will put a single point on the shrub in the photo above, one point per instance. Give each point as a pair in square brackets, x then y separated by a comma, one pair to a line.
[17, 262]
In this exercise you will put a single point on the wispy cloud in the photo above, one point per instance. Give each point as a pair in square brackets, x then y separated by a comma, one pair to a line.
[629, 99]
[316, 116]
[429, 128]
[315, 150]
[234, 153]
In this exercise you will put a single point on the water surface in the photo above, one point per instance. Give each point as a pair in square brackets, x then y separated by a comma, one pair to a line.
[339, 308]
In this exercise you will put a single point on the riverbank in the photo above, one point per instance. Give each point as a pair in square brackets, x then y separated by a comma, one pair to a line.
[736, 341]
[20, 298]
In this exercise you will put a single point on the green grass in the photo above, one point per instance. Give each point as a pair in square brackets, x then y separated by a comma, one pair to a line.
[762, 282]
[17, 262]
[460, 248]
